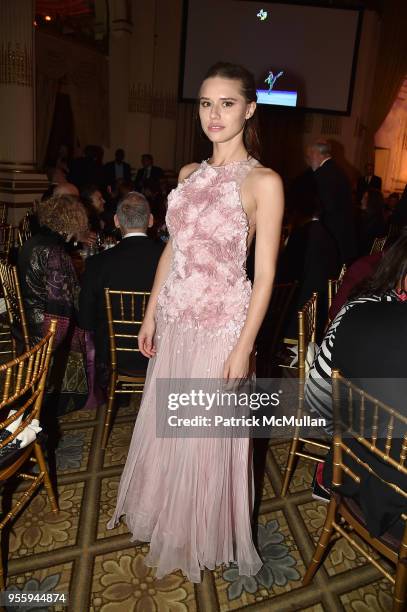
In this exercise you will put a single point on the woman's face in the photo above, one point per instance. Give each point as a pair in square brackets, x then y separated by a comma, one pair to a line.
[223, 109]
[98, 201]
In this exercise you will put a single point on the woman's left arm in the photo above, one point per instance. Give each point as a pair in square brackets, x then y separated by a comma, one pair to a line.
[269, 200]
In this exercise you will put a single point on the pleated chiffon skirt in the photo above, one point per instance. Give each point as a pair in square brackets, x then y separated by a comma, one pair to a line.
[191, 498]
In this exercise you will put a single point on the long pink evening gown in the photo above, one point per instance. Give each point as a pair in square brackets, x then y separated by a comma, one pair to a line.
[192, 498]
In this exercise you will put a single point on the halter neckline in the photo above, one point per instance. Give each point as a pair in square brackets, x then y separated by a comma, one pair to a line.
[232, 163]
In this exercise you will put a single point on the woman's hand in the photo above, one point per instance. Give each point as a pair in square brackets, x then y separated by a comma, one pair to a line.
[90, 239]
[237, 365]
[146, 338]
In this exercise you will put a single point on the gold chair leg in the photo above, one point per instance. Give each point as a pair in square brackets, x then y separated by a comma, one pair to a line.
[400, 587]
[291, 465]
[322, 545]
[39, 455]
[109, 411]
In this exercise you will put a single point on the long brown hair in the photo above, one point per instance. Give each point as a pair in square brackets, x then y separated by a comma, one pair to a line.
[236, 72]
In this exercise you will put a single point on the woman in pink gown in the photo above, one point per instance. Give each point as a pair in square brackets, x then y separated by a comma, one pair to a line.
[192, 498]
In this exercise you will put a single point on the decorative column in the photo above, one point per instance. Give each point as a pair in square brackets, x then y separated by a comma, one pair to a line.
[121, 29]
[20, 183]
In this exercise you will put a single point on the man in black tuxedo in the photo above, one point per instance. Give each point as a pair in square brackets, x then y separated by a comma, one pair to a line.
[148, 173]
[129, 266]
[369, 181]
[117, 169]
[335, 194]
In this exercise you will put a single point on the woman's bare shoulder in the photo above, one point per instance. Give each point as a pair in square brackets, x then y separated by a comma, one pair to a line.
[187, 170]
[264, 178]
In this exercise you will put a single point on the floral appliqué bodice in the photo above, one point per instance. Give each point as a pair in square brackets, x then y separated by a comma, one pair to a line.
[207, 286]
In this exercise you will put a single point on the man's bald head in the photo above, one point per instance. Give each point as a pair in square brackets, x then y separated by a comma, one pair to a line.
[66, 189]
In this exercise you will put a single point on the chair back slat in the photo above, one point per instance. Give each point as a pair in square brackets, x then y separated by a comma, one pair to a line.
[14, 301]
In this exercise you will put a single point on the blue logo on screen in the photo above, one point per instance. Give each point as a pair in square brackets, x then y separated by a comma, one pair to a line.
[262, 15]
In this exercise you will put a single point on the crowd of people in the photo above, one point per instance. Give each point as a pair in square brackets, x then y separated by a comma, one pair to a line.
[203, 315]
[334, 223]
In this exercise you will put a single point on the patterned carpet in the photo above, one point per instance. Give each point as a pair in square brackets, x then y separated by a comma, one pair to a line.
[72, 552]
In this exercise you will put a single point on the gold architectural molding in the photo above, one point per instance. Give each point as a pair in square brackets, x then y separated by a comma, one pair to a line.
[142, 99]
[15, 65]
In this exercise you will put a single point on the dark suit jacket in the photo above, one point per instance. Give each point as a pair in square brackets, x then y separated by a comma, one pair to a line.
[129, 266]
[369, 349]
[310, 258]
[155, 175]
[335, 194]
[110, 176]
[363, 185]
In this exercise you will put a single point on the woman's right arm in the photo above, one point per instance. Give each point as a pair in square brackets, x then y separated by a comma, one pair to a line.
[147, 329]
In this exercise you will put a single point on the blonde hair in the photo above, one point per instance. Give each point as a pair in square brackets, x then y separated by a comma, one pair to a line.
[63, 214]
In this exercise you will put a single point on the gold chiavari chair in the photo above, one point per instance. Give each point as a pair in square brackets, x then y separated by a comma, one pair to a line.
[307, 318]
[14, 307]
[372, 424]
[3, 212]
[125, 310]
[22, 388]
[378, 245]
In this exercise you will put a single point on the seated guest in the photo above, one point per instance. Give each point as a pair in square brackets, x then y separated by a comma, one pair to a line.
[365, 342]
[371, 223]
[310, 258]
[158, 206]
[116, 170]
[50, 289]
[386, 285]
[122, 189]
[94, 204]
[66, 189]
[369, 350]
[147, 172]
[362, 269]
[128, 266]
